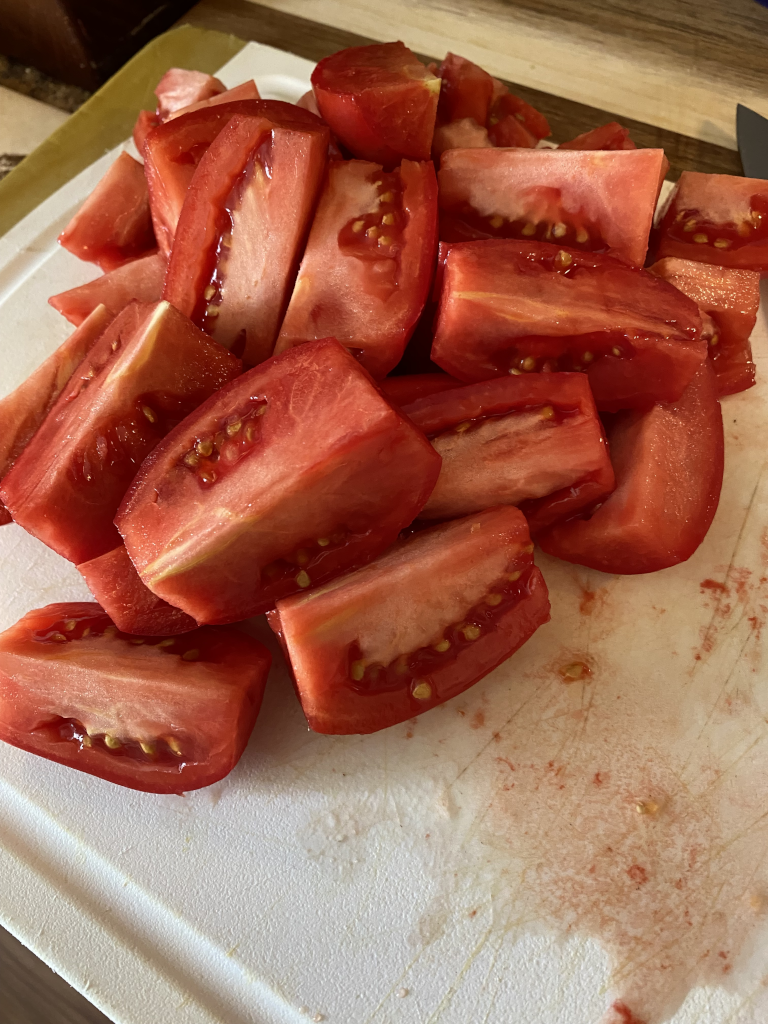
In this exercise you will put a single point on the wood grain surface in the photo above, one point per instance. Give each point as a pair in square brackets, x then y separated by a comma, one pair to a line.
[729, 37]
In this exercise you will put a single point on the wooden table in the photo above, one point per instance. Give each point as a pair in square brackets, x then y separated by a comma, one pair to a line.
[720, 50]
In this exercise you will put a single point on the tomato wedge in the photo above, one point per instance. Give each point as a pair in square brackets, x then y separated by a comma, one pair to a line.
[114, 582]
[114, 224]
[595, 202]
[173, 150]
[140, 279]
[466, 90]
[607, 136]
[368, 264]
[296, 472]
[507, 108]
[179, 87]
[241, 229]
[717, 218]
[149, 369]
[244, 91]
[158, 714]
[23, 411]
[669, 470]
[145, 122]
[416, 627]
[535, 441]
[523, 307]
[728, 299]
[408, 388]
[380, 102]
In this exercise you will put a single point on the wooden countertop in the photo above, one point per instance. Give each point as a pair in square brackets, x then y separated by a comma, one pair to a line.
[671, 72]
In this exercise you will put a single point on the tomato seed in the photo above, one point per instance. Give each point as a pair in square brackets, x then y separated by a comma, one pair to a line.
[421, 690]
[700, 238]
[442, 646]
[528, 229]
[191, 655]
[112, 742]
[303, 579]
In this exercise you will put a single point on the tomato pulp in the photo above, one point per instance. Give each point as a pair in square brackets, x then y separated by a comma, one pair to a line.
[289, 476]
[159, 714]
[535, 441]
[149, 369]
[416, 627]
[368, 264]
[522, 307]
[597, 202]
[669, 469]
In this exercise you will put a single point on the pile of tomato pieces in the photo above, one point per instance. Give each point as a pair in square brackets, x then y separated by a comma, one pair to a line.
[347, 361]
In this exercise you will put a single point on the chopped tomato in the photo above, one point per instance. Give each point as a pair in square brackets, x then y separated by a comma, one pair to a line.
[464, 134]
[140, 279]
[296, 472]
[114, 224]
[719, 219]
[409, 387]
[596, 202]
[505, 105]
[525, 307]
[509, 132]
[145, 122]
[114, 582]
[607, 136]
[23, 411]
[534, 440]
[669, 470]
[416, 627]
[368, 263]
[728, 299]
[149, 370]
[239, 236]
[244, 91]
[179, 87]
[380, 102]
[174, 149]
[158, 714]
[466, 90]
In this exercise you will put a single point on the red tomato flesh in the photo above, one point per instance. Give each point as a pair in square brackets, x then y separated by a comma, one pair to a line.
[24, 410]
[505, 107]
[408, 388]
[525, 307]
[149, 370]
[380, 102]
[114, 582]
[719, 219]
[669, 469]
[174, 149]
[239, 236]
[158, 714]
[535, 441]
[596, 202]
[297, 472]
[607, 136]
[368, 264]
[145, 122]
[140, 279]
[114, 224]
[466, 90]
[179, 87]
[416, 627]
[729, 299]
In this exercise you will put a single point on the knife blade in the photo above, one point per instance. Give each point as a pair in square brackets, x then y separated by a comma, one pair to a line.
[752, 137]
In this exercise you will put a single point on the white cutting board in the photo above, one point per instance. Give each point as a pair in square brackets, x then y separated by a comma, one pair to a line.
[530, 852]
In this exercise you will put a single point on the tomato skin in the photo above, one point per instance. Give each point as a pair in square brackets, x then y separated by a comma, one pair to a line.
[140, 279]
[607, 136]
[240, 232]
[730, 297]
[173, 150]
[114, 582]
[148, 370]
[24, 410]
[350, 287]
[179, 87]
[380, 102]
[88, 701]
[410, 387]
[145, 123]
[669, 470]
[466, 90]
[530, 306]
[114, 224]
[599, 202]
[719, 219]
[534, 441]
[316, 475]
[360, 646]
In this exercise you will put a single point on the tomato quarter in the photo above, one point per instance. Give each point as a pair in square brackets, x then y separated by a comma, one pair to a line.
[140, 279]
